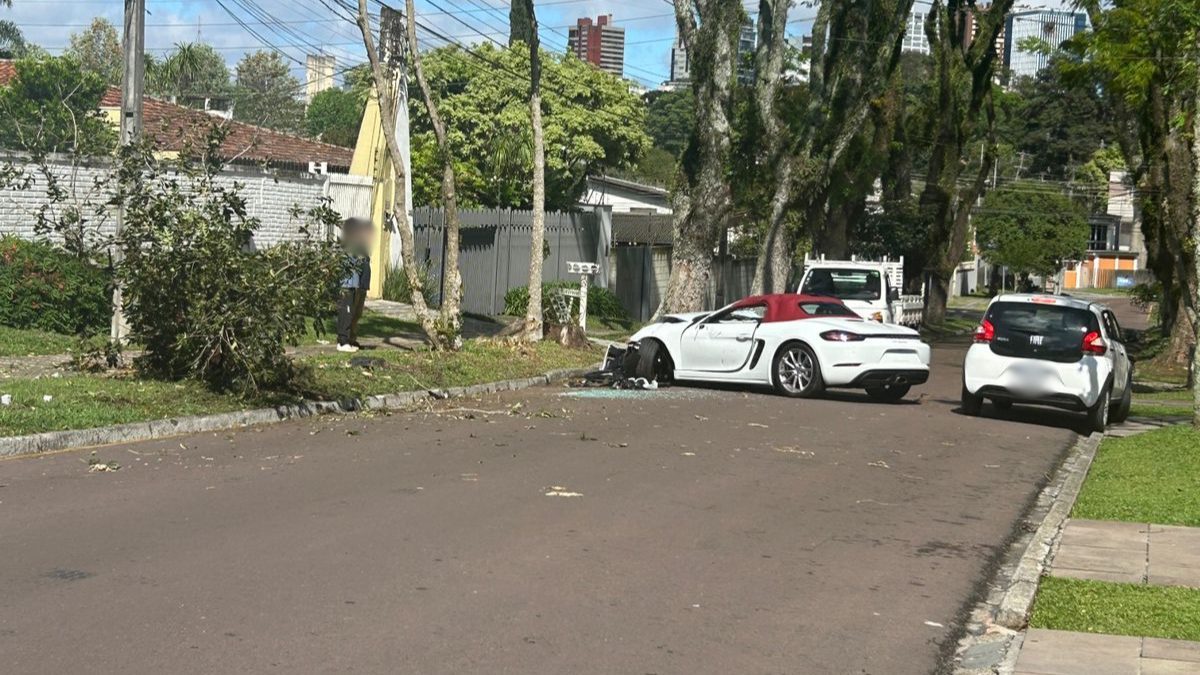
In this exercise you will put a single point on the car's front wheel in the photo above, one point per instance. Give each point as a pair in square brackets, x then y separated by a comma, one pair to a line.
[1098, 413]
[889, 393]
[654, 363]
[797, 371]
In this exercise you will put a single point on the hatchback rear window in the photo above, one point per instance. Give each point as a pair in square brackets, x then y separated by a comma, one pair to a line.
[1037, 331]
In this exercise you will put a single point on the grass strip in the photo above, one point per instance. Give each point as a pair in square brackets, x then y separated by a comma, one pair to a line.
[1117, 609]
[1152, 477]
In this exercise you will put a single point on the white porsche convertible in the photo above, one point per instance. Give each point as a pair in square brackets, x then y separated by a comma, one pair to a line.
[799, 344]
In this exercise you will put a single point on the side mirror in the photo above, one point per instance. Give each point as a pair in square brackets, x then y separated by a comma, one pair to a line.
[894, 296]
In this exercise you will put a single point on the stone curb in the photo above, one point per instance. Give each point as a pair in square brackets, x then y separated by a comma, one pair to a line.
[993, 633]
[52, 441]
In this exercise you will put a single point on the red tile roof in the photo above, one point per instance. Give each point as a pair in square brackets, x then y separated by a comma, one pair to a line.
[175, 126]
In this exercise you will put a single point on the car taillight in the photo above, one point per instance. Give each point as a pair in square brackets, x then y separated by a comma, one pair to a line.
[841, 336]
[1093, 343]
[985, 331]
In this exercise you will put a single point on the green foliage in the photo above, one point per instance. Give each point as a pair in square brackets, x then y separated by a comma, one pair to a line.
[397, 288]
[334, 116]
[201, 300]
[1149, 478]
[670, 118]
[98, 50]
[656, 168]
[1031, 229]
[192, 73]
[12, 41]
[900, 229]
[265, 93]
[602, 303]
[54, 106]
[592, 122]
[45, 288]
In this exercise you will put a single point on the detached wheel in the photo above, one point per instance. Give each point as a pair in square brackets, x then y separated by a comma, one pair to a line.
[797, 372]
[889, 393]
[971, 404]
[653, 362]
[1120, 410]
[1098, 414]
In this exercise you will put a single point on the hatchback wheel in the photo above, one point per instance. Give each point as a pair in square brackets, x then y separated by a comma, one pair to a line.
[797, 372]
[889, 393]
[971, 404]
[1098, 414]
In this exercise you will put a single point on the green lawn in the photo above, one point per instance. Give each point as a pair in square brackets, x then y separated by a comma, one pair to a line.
[1159, 411]
[29, 342]
[334, 376]
[1184, 395]
[1117, 609]
[371, 326]
[1149, 478]
[84, 401]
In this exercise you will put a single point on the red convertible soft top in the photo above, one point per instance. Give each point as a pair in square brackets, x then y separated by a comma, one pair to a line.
[787, 306]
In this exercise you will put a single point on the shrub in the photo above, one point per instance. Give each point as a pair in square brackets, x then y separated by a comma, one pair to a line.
[397, 289]
[602, 303]
[200, 299]
[43, 287]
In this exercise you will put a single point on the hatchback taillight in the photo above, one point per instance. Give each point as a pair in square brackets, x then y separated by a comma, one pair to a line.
[1093, 343]
[985, 331]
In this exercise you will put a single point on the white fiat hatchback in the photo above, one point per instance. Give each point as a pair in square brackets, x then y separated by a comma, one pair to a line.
[1049, 350]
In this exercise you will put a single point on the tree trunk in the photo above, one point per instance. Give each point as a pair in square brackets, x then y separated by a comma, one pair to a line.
[1194, 238]
[387, 113]
[774, 260]
[533, 328]
[773, 267]
[703, 201]
[449, 323]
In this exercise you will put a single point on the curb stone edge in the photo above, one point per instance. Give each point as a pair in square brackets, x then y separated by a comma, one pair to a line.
[994, 631]
[75, 439]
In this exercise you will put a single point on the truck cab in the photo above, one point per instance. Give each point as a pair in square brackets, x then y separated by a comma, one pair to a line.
[871, 289]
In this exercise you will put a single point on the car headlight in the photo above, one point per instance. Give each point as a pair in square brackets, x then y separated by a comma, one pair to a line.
[877, 316]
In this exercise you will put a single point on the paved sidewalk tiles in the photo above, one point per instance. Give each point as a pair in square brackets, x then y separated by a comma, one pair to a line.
[1136, 553]
[1056, 652]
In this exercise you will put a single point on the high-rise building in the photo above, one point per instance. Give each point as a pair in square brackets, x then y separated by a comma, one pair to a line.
[914, 34]
[318, 75]
[601, 43]
[747, 45]
[1050, 26]
[679, 63]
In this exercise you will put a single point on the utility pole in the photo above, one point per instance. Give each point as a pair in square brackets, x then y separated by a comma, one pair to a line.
[132, 84]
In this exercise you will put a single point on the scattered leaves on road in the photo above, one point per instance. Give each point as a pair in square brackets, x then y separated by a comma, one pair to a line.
[560, 491]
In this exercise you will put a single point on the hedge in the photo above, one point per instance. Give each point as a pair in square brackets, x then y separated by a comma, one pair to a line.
[43, 287]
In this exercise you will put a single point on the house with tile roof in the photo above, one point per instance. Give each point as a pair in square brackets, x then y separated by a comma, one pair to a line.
[174, 127]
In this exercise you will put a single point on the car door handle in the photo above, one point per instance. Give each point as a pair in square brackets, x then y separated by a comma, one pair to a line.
[743, 338]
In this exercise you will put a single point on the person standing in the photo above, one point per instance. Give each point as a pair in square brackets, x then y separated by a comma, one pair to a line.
[357, 234]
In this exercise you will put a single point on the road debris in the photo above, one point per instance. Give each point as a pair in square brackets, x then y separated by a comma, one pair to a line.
[879, 465]
[756, 424]
[934, 624]
[560, 491]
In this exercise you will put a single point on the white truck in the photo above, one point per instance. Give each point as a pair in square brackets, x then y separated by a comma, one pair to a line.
[873, 289]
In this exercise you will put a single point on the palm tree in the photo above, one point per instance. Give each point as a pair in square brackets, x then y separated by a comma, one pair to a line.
[12, 41]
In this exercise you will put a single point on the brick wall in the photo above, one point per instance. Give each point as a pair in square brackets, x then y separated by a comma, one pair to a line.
[270, 197]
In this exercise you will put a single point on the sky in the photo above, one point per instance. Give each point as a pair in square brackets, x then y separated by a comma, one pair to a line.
[306, 25]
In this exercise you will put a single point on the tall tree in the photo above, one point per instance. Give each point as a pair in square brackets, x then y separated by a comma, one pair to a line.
[12, 40]
[1144, 55]
[702, 201]
[265, 93]
[334, 116]
[533, 314]
[449, 324]
[855, 50]
[54, 106]
[384, 89]
[97, 48]
[964, 66]
[191, 74]
[1031, 228]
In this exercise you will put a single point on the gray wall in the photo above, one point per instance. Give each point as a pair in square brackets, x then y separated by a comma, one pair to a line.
[639, 277]
[269, 196]
[494, 251]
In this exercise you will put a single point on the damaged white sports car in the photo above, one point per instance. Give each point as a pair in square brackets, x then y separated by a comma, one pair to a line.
[799, 344]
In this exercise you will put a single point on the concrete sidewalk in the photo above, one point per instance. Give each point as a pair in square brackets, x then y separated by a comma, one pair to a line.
[1056, 652]
[1132, 553]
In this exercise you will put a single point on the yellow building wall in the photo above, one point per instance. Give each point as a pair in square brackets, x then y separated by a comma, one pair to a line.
[372, 159]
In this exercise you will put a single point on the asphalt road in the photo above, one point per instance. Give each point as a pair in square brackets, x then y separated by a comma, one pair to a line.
[685, 531]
